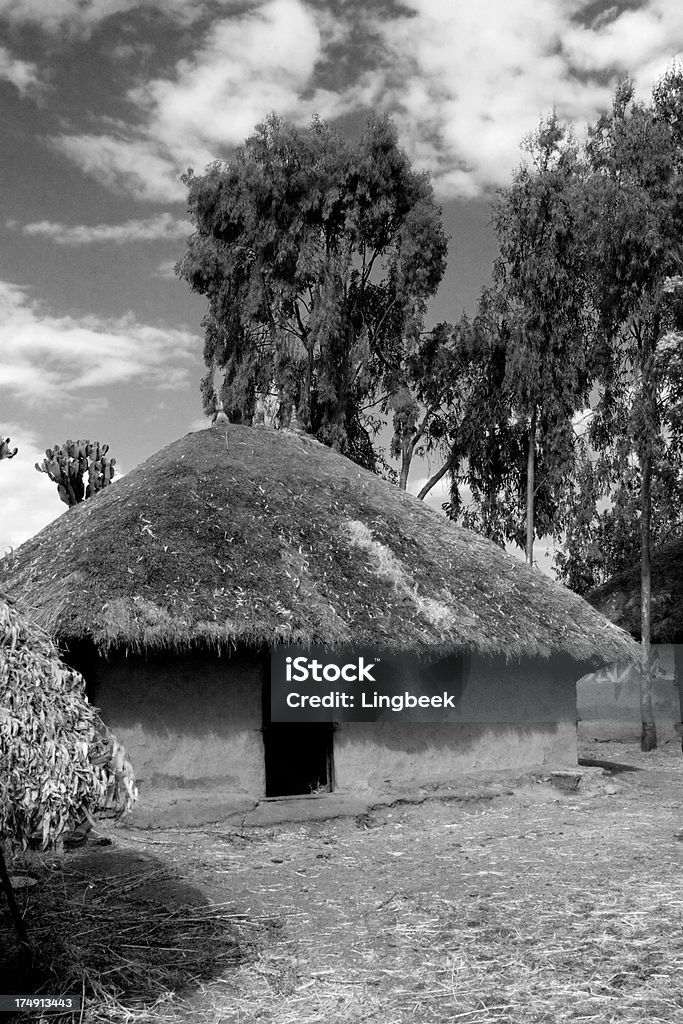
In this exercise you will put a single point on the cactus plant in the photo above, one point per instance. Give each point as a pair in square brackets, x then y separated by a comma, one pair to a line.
[5, 451]
[67, 466]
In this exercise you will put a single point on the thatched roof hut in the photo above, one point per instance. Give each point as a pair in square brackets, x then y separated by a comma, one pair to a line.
[613, 711]
[619, 598]
[269, 536]
[172, 585]
[58, 762]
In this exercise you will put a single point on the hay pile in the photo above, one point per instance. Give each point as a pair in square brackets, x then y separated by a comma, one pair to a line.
[59, 764]
[128, 935]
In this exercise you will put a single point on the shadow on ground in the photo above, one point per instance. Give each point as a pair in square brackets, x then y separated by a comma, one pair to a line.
[613, 767]
[120, 926]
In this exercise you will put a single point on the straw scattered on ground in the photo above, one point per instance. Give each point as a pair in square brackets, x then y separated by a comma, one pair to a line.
[538, 908]
[126, 933]
[516, 913]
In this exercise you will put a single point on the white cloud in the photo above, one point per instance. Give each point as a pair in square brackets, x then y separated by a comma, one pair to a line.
[83, 15]
[48, 357]
[246, 67]
[630, 42]
[259, 60]
[141, 166]
[466, 83]
[22, 74]
[28, 500]
[166, 269]
[164, 227]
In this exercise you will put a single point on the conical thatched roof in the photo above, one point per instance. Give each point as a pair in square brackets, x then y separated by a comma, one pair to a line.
[258, 536]
[619, 598]
[58, 762]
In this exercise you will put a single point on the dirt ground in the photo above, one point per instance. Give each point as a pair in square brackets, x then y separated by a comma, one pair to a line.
[534, 906]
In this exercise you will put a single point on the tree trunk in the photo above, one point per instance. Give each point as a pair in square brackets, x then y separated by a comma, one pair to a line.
[678, 673]
[15, 914]
[448, 464]
[648, 736]
[304, 412]
[407, 449]
[530, 466]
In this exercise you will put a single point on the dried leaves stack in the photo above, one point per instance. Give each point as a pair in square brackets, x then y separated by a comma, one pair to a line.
[59, 764]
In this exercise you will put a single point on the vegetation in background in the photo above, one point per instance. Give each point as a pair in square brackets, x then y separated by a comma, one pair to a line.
[540, 281]
[317, 257]
[529, 371]
[584, 315]
[634, 232]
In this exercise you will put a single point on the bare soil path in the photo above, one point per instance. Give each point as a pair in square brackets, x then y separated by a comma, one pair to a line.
[534, 907]
[538, 906]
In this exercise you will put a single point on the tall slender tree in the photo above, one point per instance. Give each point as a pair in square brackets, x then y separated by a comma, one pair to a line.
[530, 330]
[634, 233]
[541, 277]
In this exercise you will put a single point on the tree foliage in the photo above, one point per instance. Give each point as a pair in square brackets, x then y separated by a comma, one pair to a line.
[633, 233]
[432, 398]
[531, 364]
[632, 216]
[603, 532]
[317, 257]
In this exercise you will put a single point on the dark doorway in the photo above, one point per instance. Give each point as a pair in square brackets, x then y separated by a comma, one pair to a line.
[298, 755]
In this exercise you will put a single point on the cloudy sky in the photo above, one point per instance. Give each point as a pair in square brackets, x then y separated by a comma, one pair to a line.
[104, 103]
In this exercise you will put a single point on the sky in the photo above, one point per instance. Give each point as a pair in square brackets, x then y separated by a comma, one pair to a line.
[105, 103]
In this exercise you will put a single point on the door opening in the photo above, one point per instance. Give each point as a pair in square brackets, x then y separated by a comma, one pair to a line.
[298, 756]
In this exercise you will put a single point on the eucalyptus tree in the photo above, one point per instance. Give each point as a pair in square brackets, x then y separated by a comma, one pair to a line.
[531, 373]
[633, 230]
[603, 537]
[317, 257]
[540, 275]
[432, 399]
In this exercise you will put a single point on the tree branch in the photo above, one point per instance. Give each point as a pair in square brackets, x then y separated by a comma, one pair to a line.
[450, 462]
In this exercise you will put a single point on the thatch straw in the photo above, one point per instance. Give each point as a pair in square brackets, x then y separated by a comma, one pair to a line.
[59, 764]
[537, 909]
[532, 908]
[261, 536]
[128, 938]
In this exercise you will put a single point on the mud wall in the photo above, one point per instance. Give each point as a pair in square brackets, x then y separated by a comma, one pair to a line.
[187, 721]
[194, 723]
[508, 715]
[380, 755]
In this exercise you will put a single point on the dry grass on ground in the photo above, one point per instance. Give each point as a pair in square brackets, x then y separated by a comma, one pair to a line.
[539, 907]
